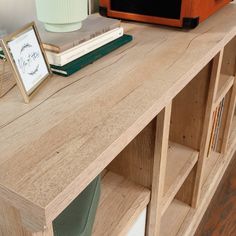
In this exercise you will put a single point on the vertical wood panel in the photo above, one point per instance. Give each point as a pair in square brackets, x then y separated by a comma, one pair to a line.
[205, 139]
[159, 170]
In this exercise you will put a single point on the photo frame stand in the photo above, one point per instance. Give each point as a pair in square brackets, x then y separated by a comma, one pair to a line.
[7, 80]
[26, 57]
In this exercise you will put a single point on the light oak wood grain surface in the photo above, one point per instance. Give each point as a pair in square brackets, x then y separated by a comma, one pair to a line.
[51, 149]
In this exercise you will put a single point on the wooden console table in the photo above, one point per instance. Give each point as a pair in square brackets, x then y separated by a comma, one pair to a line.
[143, 116]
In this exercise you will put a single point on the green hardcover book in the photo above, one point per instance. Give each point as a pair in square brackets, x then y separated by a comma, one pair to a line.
[1, 54]
[89, 58]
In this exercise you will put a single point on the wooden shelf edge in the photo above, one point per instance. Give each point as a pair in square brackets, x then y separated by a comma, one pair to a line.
[173, 218]
[120, 205]
[180, 162]
[194, 216]
[229, 81]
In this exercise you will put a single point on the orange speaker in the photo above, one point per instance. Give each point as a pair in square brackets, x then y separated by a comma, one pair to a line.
[179, 13]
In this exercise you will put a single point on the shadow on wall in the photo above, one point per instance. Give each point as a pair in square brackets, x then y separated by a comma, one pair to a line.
[15, 13]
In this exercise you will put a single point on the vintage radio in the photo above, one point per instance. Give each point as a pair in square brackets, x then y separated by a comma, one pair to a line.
[179, 13]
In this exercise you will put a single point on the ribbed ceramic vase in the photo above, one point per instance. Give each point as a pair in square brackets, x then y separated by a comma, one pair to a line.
[62, 15]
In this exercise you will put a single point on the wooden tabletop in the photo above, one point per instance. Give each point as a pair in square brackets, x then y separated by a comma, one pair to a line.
[74, 127]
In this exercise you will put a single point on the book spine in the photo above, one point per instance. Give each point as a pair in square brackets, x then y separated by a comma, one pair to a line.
[51, 48]
[215, 131]
[218, 124]
[212, 131]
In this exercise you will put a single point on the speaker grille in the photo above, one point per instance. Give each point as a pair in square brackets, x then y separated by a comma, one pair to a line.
[160, 8]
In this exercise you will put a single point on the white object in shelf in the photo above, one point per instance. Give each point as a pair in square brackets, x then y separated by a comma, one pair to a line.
[138, 229]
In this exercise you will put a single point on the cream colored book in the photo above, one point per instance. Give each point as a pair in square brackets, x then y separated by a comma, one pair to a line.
[61, 59]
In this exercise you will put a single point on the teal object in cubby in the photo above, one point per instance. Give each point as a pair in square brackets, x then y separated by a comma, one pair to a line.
[78, 218]
[62, 15]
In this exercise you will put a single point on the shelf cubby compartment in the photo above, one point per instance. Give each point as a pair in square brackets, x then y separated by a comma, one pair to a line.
[121, 203]
[225, 87]
[186, 129]
[180, 162]
[221, 118]
[227, 72]
[226, 82]
[228, 66]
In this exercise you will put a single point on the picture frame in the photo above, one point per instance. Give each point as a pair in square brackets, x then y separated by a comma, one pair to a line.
[24, 51]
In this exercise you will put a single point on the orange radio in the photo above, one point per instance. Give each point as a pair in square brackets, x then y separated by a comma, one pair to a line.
[179, 13]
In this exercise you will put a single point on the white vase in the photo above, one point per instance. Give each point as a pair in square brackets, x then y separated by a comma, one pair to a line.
[62, 15]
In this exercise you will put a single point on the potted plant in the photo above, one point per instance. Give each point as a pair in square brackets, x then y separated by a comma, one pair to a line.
[62, 15]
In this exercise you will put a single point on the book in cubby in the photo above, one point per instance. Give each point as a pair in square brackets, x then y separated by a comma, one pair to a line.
[216, 125]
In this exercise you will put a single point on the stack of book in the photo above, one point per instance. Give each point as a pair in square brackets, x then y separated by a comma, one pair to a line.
[217, 120]
[70, 52]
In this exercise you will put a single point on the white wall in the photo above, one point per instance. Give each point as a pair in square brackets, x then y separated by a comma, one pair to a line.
[16, 13]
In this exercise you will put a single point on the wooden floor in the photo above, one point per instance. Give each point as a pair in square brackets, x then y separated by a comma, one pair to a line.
[220, 218]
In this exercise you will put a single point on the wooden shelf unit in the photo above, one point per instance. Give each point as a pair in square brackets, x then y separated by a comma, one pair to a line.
[144, 114]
